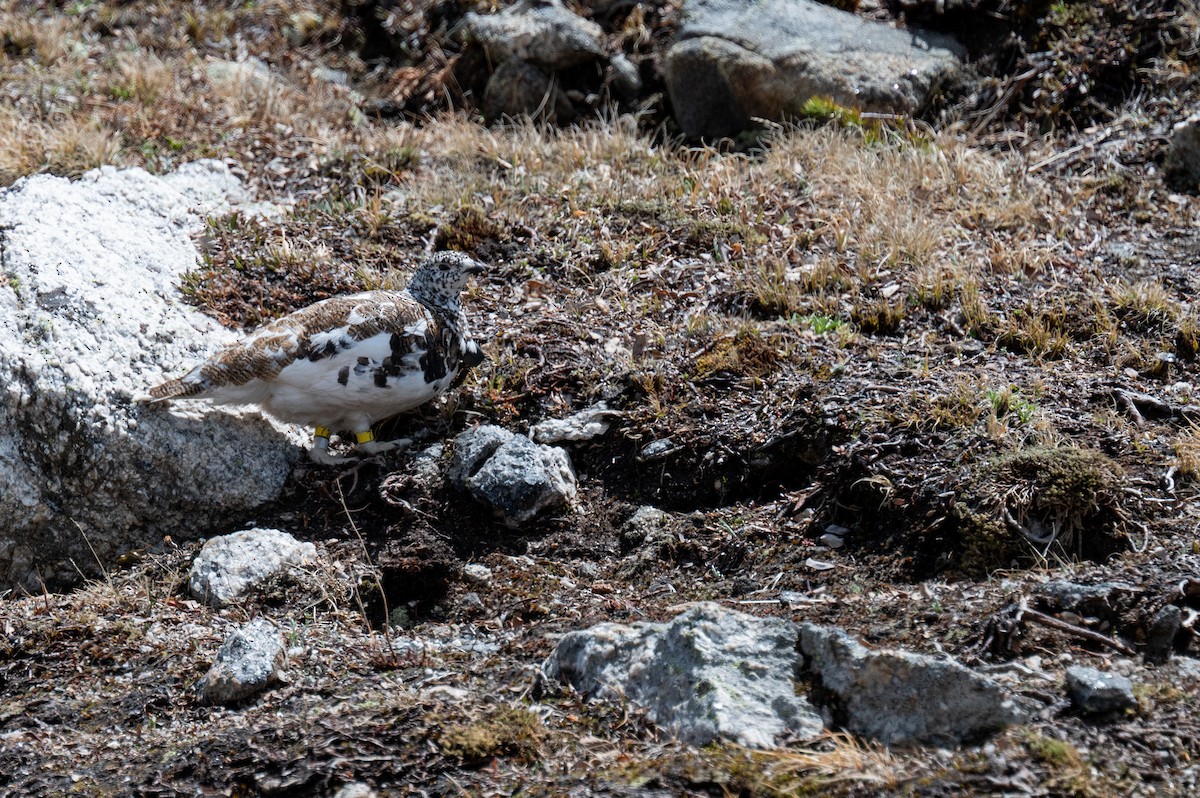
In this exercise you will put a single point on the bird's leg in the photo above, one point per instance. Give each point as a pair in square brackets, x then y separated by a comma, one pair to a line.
[368, 445]
[319, 453]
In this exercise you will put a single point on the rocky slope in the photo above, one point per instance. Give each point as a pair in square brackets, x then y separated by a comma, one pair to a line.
[930, 382]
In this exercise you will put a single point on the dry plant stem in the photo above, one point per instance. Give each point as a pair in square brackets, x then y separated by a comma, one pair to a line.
[387, 614]
[1086, 634]
[92, 549]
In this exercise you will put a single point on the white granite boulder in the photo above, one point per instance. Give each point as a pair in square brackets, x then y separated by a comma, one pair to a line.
[90, 316]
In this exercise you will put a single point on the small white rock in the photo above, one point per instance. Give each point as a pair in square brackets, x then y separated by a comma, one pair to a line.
[477, 573]
[355, 789]
[230, 566]
[583, 426]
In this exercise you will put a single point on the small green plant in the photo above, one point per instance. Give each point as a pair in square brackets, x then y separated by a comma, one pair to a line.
[1040, 500]
[386, 165]
[825, 110]
[746, 354]
[1008, 401]
[1145, 306]
[1040, 334]
[1070, 771]
[1187, 336]
[818, 322]
[1187, 454]
[469, 227]
[935, 288]
[957, 408]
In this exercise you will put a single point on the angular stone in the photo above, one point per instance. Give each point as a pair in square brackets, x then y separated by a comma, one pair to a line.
[472, 449]
[1160, 636]
[709, 673]
[522, 478]
[642, 526]
[1182, 162]
[519, 88]
[902, 697]
[249, 661]
[1095, 692]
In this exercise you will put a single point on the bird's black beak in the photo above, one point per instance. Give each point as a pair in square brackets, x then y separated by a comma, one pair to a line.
[476, 268]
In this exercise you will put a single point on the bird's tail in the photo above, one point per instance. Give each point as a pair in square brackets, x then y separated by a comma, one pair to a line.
[179, 388]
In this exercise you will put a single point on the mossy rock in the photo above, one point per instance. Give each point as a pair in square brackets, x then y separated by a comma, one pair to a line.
[1037, 503]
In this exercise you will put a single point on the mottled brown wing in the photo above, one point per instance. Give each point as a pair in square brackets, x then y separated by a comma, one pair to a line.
[317, 331]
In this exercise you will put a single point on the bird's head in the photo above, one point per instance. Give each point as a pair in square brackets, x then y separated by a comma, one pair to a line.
[440, 280]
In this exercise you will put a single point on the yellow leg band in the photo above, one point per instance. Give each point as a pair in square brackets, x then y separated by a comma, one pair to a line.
[322, 432]
[364, 437]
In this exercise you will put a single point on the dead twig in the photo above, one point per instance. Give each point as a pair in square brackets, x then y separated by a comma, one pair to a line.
[1077, 631]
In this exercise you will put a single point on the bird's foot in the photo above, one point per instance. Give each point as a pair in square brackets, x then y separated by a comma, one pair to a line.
[378, 447]
[322, 456]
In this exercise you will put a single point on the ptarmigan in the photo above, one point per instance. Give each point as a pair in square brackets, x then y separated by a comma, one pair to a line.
[346, 362]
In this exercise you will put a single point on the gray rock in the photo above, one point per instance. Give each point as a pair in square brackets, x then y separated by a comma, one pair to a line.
[1186, 669]
[528, 45]
[472, 449]
[582, 426]
[426, 465]
[90, 316]
[519, 88]
[522, 478]
[541, 32]
[738, 59]
[249, 661]
[626, 82]
[356, 789]
[477, 573]
[709, 673]
[1182, 162]
[1099, 599]
[643, 526]
[1095, 692]
[1160, 636]
[902, 697]
[229, 567]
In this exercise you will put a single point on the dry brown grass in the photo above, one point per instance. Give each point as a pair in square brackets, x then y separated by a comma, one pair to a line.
[1187, 454]
[842, 758]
